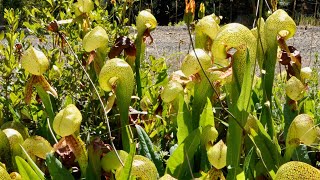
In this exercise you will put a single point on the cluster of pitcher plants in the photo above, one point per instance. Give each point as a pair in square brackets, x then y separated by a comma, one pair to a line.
[84, 102]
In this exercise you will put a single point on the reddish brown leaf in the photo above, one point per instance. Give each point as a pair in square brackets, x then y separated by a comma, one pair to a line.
[53, 26]
[292, 61]
[29, 89]
[146, 35]
[72, 148]
[46, 86]
[295, 53]
[122, 43]
[131, 50]
[284, 59]
[91, 57]
[18, 46]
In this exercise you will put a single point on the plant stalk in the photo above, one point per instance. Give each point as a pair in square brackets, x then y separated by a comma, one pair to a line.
[140, 45]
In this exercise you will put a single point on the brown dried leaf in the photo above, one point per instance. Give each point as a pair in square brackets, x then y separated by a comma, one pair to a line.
[18, 46]
[46, 86]
[67, 156]
[78, 147]
[97, 67]
[292, 61]
[131, 50]
[53, 26]
[226, 74]
[274, 5]
[29, 89]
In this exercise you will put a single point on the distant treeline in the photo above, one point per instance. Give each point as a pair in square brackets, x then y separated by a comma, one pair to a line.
[171, 11]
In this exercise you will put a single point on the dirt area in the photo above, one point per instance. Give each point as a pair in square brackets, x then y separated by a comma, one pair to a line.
[172, 42]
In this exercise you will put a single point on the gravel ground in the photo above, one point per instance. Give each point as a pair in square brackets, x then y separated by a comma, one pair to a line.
[172, 42]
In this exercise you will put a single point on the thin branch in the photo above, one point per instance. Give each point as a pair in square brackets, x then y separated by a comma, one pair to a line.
[101, 102]
[268, 5]
[205, 74]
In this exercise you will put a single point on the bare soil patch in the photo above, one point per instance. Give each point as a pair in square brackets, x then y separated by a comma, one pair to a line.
[172, 43]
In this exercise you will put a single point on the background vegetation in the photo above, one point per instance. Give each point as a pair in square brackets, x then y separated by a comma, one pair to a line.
[171, 11]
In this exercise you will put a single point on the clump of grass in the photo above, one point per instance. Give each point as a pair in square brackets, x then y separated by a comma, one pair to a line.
[308, 21]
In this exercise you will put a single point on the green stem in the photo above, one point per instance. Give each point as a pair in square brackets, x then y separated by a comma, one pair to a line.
[267, 79]
[123, 13]
[123, 105]
[277, 22]
[288, 153]
[140, 45]
[202, 91]
[234, 138]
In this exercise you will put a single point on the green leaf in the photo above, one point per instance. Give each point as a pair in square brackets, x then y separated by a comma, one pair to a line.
[240, 112]
[1, 35]
[207, 117]
[50, 2]
[45, 97]
[266, 149]
[25, 169]
[15, 115]
[147, 149]
[184, 120]
[177, 164]
[246, 87]
[94, 164]
[309, 106]
[32, 164]
[206, 121]
[234, 141]
[301, 154]
[56, 169]
[289, 113]
[202, 91]
[14, 99]
[125, 173]
[249, 163]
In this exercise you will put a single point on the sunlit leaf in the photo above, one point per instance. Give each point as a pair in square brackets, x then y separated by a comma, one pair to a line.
[177, 164]
[183, 121]
[94, 156]
[125, 173]
[32, 164]
[147, 149]
[56, 169]
[25, 169]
